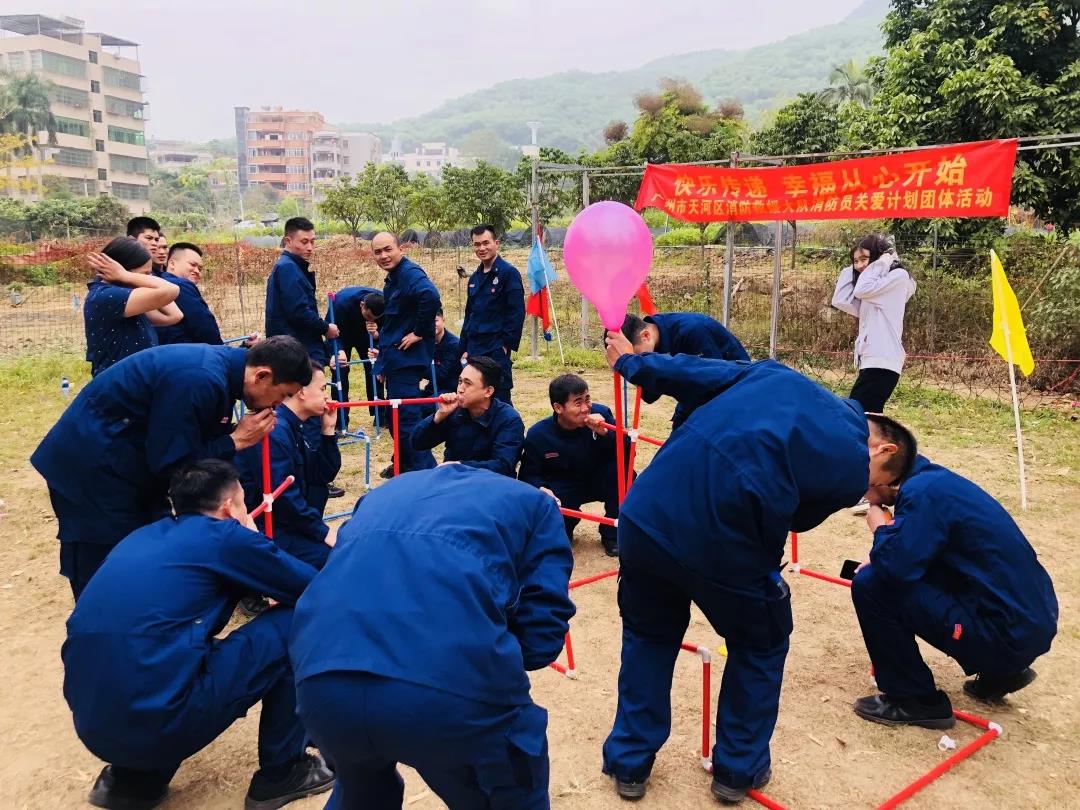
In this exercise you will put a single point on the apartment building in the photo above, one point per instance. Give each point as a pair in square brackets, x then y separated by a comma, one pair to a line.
[97, 100]
[341, 154]
[274, 148]
[173, 155]
[428, 158]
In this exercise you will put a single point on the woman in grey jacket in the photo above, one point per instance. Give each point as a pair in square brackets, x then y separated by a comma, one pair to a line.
[875, 289]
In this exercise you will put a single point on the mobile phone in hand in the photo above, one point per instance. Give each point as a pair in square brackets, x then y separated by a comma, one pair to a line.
[847, 571]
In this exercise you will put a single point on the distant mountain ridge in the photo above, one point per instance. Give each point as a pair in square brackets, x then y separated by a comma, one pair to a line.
[575, 106]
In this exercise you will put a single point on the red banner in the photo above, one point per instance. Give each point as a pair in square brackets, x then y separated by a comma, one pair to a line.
[962, 180]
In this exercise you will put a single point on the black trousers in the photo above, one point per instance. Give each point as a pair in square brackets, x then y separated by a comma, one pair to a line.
[873, 387]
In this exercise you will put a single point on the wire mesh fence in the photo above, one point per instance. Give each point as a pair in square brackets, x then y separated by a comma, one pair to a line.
[947, 326]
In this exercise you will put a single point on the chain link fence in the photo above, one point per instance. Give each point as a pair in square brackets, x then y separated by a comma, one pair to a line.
[947, 326]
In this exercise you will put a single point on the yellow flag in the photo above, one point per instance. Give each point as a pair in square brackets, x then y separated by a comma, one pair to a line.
[1007, 321]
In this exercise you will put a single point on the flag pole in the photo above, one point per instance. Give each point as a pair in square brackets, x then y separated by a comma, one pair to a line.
[555, 321]
[1016, 411]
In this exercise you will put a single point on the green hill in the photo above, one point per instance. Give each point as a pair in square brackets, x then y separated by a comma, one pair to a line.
[575, 106]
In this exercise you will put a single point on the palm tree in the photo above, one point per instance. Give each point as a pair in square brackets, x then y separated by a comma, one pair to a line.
[28, 112]
[848, 82]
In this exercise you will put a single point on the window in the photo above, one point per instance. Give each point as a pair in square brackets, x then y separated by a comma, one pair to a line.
[130, 191]
[73, 126]
[69, 96]
[102, 174]
[296, 186]
[121, 78]
[93, 57]
[295, 152]
[252, 151]
[55, 63]
[95, 86]
[253, 134]
[131, 165]
[66, 156]
[296, 169]
[99, 145]
[132, 136]
[16, 61]
[97, 116]
[253, 168]
[81, 187]
[121, 106]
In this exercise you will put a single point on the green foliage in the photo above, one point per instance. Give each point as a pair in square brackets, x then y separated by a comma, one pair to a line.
[558, 193]
[428, 204]
[808, 124]
[60, 217]
[346, 201]
[691, 235]
[487, 145]
[484, 194]
[677, 127]
[849, 82]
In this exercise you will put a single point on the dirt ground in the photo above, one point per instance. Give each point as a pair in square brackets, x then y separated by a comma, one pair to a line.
[823, 756]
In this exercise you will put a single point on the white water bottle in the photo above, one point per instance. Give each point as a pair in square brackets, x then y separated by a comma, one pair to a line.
[65, 387]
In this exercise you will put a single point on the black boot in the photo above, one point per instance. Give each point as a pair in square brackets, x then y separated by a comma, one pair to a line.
[631, 791]
[124, 789]
[732, 795]
[308, 777]
[933, 711]
[388, 472]
[611, 546]
[334, 491]
[994, 688]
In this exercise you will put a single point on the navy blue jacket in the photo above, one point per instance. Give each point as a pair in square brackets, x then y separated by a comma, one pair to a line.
[494, 311]
[492, 441]
[122, 436]
[692, 333]
[140, 632]
[110, 336]
[350, 322]
[424, 588]
[411, 303]
[447, 362]
[290, 305]
[560, 459]
[199, 324]
[295, 510]
[767, 451]
[950, 532]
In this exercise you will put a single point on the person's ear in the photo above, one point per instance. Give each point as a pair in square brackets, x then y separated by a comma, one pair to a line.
[558, 407]
[263, 375]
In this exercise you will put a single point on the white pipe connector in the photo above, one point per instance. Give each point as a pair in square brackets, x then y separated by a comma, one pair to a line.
[571, 674]
[995, 727]
[268, 499]
[796, 568]
[395, 403]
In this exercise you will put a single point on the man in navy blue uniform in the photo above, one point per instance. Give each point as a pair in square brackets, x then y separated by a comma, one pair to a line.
[145, 231]
[357, 311]
[291, 308]
[572, 455]
[108, 459]
[955, 570]
[495, 309]
[184, 269]
[406, 341]
[299, 528]
[766, 452]
[681, 333]
[412, 645]
[447, 356]
[148, 683]
[477, 429]
[123, 304]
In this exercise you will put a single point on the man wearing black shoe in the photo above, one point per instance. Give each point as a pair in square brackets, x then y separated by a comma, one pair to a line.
[953, 569]
[148, 683]
[572, 455]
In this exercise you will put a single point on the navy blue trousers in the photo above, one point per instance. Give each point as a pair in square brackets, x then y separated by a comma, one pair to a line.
[406, 384]
[892, 615]
[474, 756]
[655, 593]
[603, 487]
[313, 552]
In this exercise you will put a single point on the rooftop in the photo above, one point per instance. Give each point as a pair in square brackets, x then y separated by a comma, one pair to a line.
[57, 27]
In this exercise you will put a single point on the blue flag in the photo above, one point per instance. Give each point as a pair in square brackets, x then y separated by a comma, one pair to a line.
[540, 271]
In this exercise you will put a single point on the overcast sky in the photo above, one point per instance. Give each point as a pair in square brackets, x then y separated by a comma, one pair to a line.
[363, 61]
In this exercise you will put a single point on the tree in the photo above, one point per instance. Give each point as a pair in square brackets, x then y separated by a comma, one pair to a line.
[28, 112]
[386, 187]
[807, 124]
[484, 194]
[347, 202]
[557, 192]
[15, 154]
[428, 204]
[616, 131]
[849, 82]
[966, 70]
[623, 186]
[677, 127]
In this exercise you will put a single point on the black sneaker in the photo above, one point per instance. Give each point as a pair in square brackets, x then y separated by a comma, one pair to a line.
[994, 688]
[308, 777]
[631, 791]
[334, 491]
[388, 472]
[611, 547]
[126, 794]
[252, 606]
[935, 712]
[731, 795]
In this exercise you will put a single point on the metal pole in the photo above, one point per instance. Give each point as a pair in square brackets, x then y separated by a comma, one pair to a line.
[584, 303]
[774, 319]
[729, 259]
[534, 194]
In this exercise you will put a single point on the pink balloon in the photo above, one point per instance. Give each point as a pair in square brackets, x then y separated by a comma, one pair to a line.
[608, 252]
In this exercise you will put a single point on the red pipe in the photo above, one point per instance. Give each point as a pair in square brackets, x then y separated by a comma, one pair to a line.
[268, 496]
[633, 442]
[588, 516]
[258, 510]
[395, 431]
[794, 548]
[806, 572]
[555, 665]
[619, 450]
[641, 438]
[569, 654]
[371, 403]
[975, 720]
[984, 739]
[764, 800]
[577, 583]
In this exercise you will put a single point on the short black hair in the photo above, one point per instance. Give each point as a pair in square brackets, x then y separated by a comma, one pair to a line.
[137, 225]
[183, 246]
[439, 312]
[907, 447]
[316, 365]
[375, 303]
[488, 368]
[201, 486]
[483, 228]
[875, 244]
[565, 386]
[127, 251]
[285, 356]
[632, 327]
[294, 224]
